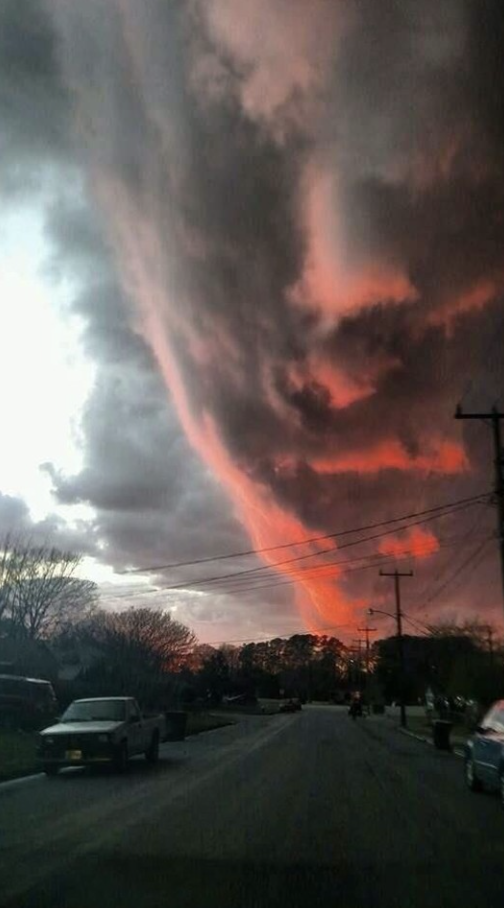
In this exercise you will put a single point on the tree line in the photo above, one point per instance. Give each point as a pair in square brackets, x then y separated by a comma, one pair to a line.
[145, 652]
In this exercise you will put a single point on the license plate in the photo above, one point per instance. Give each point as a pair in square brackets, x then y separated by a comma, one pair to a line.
[74, 754]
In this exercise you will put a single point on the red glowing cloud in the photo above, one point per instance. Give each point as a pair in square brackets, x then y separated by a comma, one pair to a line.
[333, 282]
[444, 457]
[418, 542]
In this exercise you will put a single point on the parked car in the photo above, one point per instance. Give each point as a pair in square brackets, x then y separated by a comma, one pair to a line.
[484, 752]
[101, 730]
[27, 703]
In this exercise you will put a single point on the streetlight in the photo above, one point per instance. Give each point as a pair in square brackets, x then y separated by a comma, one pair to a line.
[400, 651]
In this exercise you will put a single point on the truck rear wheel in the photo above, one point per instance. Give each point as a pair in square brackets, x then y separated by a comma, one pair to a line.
[152, 752]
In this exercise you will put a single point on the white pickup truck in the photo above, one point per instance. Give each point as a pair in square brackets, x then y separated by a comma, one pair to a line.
[100, 730]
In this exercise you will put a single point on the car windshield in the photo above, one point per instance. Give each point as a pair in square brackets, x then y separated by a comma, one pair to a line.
[95, 710]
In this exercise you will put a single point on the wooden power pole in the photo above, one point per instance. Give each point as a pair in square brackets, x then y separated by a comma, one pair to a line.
[494, 416]
[400, 645]
[367, 631]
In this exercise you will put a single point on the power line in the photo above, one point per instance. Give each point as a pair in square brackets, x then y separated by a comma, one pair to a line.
[300, 574]
[304, 571]
[299, 579]
[287, 634]
[261, 585]
[202, 581]
[310, 540]
[465, 564]
[416, 624]
[374, 560]
[466, 539]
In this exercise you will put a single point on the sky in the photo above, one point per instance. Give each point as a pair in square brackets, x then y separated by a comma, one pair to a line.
[251, 261]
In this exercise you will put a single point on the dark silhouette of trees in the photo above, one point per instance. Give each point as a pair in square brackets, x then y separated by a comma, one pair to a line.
[304, 665]
[134, 651]
[455, 661]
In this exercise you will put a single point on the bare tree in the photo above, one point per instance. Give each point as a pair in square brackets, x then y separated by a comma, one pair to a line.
[139, 642]
[40, 593]
[5, 578]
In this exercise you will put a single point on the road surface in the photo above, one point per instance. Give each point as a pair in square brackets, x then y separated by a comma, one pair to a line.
[295, 810]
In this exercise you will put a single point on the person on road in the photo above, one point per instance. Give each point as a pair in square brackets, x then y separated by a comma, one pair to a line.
[355, 708]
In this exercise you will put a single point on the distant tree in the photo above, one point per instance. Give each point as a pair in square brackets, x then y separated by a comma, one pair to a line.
[304, 664]
[454, 661]
[328, 668]
[469, 660]
[40, 592]
[215, 676]
[135, 649]
[482, 635]
[5, 581]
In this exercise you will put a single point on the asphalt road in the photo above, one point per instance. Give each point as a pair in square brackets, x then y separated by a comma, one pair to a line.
[303, 810]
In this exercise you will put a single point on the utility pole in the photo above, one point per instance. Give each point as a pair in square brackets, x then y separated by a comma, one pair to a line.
[400, 646]
[495, 417]
[358, 652]
[367, 630]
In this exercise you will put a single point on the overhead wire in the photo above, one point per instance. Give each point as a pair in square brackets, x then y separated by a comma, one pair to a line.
[465, 541]
[468, 561]
[328, 568]
[307, 541]
[386, 560]
[271, 582]
[233, 583]
[303, 632]
[202, 581]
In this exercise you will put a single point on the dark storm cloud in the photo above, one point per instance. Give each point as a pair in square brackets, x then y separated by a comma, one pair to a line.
[318, 212]
[34, 103]
[152, 499]
[327, 405]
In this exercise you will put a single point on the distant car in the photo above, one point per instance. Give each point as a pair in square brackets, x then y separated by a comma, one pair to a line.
[484, 753]
[28, 703]
[290, 706]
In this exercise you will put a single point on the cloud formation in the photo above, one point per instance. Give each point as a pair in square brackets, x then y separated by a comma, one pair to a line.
[305, 214]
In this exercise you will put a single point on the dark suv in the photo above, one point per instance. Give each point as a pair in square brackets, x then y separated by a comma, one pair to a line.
[484, 752]
[26, 702]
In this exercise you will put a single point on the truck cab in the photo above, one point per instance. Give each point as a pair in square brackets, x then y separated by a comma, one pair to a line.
[101, 730]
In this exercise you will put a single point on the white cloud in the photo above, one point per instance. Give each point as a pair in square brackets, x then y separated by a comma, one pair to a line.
[44, 377]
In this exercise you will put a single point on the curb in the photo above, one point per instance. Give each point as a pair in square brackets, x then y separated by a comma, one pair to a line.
[14, 781]
[411, 734]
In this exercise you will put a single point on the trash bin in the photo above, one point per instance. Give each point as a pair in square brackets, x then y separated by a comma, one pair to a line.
[176, 723]
[441, 730]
